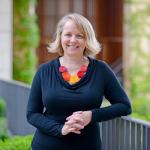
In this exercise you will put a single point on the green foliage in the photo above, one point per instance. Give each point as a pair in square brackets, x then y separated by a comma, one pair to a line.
[26, 37]
[134, 1]
[3, 120]
[2, 108]
[16, 143]
[141, 109]
[3, 129]
[139, 71]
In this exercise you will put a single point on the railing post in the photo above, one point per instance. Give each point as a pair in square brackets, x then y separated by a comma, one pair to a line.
[128, 136]
[109, 135]
[122, 134]
[104, 135]
[144, 137]
[138, 137]
[114, 134]
[133, 126]
[148, 138]
[117, 143]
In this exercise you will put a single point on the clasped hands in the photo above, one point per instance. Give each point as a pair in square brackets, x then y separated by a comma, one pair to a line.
[77, 121]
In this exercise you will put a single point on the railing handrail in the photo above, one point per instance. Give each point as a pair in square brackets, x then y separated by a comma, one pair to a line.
[16, 83]
[137, 121]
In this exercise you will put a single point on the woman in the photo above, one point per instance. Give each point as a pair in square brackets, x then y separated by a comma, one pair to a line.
[67, 92]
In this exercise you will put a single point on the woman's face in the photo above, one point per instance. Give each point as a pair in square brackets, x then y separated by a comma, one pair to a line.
[72, 39]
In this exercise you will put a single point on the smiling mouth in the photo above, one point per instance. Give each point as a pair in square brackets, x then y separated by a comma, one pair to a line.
[73, 47]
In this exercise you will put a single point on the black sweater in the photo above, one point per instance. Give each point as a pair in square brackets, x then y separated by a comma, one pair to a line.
[52, 99]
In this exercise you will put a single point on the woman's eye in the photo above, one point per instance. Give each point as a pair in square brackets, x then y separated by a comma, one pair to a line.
[68, 35]
[80, 36]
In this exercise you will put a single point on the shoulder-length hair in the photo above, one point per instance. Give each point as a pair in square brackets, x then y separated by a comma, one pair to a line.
[93, 47]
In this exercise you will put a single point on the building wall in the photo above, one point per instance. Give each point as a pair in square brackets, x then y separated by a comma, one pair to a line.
[6, 39]
[105, 16]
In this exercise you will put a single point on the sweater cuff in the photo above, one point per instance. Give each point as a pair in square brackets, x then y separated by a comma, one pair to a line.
[94, 115]
[59, 131]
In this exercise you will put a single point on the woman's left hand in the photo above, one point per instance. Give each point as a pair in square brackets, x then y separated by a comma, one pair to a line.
[86, 116]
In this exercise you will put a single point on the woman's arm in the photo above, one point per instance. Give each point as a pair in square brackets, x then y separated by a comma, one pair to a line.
[115, 94]
[35, 110]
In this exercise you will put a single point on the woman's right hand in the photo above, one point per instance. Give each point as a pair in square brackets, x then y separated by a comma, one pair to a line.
[68, 129]
[73, 125]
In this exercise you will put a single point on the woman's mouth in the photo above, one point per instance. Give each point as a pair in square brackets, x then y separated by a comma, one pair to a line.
[72, 47]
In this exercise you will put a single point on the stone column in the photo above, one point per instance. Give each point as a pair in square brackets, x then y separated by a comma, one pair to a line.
[6, 24]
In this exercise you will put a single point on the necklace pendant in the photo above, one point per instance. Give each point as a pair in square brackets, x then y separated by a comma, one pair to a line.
[73, 79]
[66, 76]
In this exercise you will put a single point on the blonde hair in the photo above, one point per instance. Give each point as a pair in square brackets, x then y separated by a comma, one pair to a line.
[93, 47]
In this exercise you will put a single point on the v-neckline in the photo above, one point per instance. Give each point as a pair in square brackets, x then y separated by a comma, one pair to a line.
[82, 81]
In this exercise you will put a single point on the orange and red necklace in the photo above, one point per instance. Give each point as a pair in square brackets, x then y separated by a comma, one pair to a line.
[72, 79]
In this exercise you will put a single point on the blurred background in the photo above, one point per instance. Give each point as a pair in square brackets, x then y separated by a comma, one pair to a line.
[26, 28]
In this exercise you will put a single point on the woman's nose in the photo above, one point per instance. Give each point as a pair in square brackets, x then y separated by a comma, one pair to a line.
[73, 39]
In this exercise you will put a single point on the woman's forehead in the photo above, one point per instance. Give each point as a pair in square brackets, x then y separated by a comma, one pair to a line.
[72, 25]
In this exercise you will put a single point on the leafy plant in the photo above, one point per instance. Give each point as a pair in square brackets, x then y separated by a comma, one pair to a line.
[3, 129]
[2, 108]
[138, 74]
[25, 40]
[16, 143]
[3, 121]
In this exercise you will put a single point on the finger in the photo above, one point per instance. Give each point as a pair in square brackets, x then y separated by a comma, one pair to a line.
[78, 112]
[75, 125]
[78, 126]
[73, 130]
[68, 118]
[77, 132]
[76, 119]
[72, 116]
[70, 122]
[79, 120]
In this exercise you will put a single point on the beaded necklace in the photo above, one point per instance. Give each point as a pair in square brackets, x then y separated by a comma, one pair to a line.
[72, 79]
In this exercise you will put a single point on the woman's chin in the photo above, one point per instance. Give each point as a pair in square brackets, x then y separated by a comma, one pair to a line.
[74, 52]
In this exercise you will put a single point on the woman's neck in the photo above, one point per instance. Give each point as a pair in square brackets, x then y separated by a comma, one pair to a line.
[73, 60]
[73, 63]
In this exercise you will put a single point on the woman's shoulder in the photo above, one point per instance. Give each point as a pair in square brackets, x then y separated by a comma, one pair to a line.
[101, 64]
[47, 64]
[103, 67]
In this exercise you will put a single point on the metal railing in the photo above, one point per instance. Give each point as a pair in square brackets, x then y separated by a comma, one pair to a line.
[123, 133]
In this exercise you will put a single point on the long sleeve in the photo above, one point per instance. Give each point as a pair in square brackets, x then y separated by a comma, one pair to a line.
[35, 108]
[115, 94]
